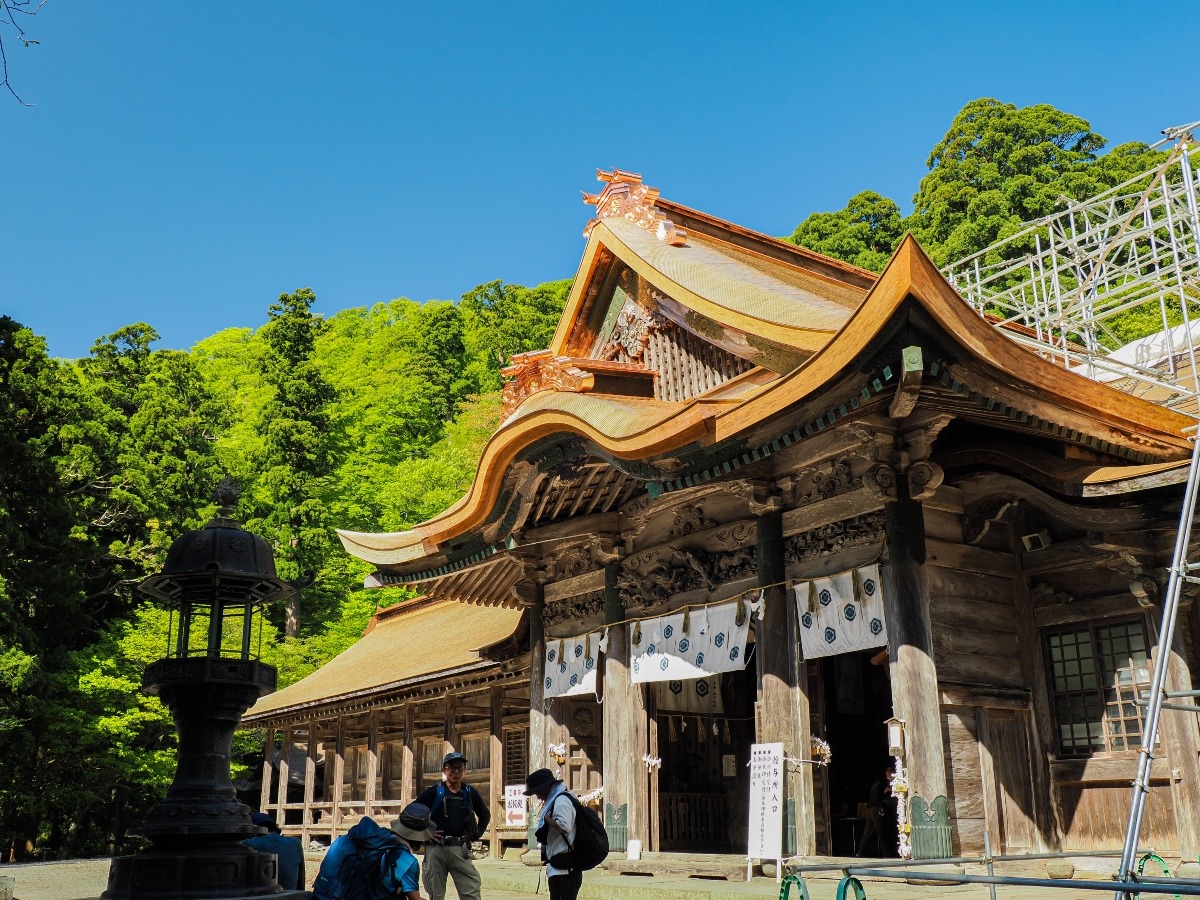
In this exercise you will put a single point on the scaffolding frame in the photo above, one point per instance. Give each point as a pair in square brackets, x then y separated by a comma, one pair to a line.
[1059, 286]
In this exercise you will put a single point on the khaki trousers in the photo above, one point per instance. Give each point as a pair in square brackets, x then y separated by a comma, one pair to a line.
[442, 861]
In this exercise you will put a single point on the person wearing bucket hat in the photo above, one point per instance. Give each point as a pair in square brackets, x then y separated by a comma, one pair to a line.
[291, 855]
[460, 816]
[369, 861]
[556, 832]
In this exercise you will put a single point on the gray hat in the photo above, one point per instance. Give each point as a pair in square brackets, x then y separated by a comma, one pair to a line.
[413, 823]
[453, 757]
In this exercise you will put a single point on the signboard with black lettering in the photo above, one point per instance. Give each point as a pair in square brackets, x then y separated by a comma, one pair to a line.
[766, 802]
[514, 805]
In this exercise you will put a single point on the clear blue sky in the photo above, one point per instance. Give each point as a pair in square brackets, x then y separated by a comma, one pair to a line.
[187, 162]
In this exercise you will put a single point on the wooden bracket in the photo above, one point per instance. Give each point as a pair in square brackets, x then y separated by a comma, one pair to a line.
[912, 371]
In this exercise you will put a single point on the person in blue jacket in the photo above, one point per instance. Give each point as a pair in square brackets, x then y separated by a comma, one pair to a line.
[288, 849]
[369, 862]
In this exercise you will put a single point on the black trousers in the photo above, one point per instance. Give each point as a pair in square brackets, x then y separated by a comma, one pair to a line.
[565, 887]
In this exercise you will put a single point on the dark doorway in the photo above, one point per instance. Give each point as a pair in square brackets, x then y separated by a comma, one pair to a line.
[703, 782]
[857, 701]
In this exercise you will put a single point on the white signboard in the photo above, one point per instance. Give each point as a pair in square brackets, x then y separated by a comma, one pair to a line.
[766, 802]
[514, 805]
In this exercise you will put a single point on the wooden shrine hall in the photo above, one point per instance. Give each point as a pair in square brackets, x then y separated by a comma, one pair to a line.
[751, 494]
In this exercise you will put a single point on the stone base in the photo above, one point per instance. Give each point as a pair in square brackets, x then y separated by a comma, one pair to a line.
[226, 871]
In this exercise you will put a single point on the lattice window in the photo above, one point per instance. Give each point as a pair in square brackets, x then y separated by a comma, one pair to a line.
[516, 755]
[1096, 673]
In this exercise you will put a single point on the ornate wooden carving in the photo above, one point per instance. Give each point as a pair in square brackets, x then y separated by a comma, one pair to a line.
[821, 482]
[735, 564]
[1043, 594]
[881, 481]
[657, 575]
[761, 496]
[625, 196]
[689, 519]
[574, 609]
[924, 478]
[855, 532]
[529, 373]
[732, 537]
[979, 517]
[632, 332]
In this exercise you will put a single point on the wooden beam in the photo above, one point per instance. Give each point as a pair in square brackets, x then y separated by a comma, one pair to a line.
[284, 773]
[910, 646]
[407, 762]
[496, 770]
[783, 695]
[1048, 830]
[1179, 739]
[372, 763]
[268, 770]
[310, 781]
[339, 777]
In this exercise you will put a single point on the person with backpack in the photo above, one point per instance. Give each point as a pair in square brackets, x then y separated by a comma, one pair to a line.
[460, 816]
[572, 837]
[290, 872]
[373, 863]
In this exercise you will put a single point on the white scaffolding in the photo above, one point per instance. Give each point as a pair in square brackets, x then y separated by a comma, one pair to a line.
[1068, 286]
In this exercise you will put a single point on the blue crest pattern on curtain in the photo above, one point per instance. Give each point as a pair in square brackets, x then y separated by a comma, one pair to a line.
[696, 695]
[572, 664]
[694, 643]
[842, 613]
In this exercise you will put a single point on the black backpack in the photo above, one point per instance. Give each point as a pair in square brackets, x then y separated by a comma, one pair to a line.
[591, 840]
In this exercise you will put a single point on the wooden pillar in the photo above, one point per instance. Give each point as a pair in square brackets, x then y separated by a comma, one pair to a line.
[624, 715]
[496, 769]
[782, 693]
[310, 782]
[407, 760]
[284, 774]
[268, 770]
[915, 697]
[537, 688]
[1181, 746]
[372, 763]
[339, 776]
[1048, 835]
[450, 739]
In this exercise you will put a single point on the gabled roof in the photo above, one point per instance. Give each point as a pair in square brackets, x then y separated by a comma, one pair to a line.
[406, 645]
[981, 373]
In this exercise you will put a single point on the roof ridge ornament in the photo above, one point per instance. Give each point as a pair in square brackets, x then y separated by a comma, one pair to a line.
[626, 196]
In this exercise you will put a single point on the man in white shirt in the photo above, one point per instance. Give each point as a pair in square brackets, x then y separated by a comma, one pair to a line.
[556, 831]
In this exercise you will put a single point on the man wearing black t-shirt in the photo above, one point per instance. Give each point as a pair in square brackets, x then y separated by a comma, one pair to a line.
[460, 816]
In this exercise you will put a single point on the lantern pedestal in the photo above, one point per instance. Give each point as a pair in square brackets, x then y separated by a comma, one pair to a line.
[196, 831]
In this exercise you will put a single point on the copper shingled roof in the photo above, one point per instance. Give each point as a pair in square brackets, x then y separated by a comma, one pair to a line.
[407, 646]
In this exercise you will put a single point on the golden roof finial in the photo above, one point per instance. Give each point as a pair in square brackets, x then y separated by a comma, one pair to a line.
[625, 196]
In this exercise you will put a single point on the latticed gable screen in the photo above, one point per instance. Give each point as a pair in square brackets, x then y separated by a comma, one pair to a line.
[516, 755]
[1096, 674]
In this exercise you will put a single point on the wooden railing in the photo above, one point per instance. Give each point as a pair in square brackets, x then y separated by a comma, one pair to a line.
[693, 820]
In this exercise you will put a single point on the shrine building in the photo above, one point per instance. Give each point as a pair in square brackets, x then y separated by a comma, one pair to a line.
[751, 494]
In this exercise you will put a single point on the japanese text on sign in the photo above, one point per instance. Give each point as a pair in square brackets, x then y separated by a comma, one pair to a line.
[514, 805]
[766, 801]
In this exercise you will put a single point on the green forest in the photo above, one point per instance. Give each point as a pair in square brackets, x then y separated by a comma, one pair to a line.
[371, 419]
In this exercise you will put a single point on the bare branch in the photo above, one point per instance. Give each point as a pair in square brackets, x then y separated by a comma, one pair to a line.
[8, 11]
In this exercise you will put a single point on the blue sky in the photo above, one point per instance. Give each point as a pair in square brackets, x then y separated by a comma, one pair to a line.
[187, 162]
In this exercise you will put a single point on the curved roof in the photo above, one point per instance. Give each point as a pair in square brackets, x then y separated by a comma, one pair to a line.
[640, 429]
[399, 650]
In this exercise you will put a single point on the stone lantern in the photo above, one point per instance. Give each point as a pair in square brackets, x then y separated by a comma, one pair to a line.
[214, 583]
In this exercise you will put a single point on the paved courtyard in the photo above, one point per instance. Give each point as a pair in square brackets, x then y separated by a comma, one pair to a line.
[79, 879]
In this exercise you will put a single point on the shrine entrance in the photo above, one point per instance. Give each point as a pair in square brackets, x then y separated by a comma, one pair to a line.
[703, 729]
[856, 696]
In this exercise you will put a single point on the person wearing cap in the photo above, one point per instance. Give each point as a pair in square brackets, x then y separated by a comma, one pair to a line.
[384, 859]
[555, 831]
[288, 849]
[460, 816]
